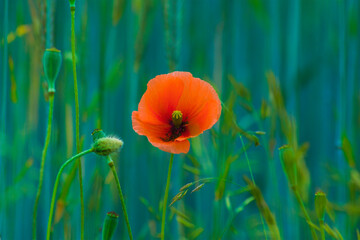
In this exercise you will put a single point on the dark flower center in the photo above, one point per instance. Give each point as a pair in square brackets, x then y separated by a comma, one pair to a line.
[177, 126]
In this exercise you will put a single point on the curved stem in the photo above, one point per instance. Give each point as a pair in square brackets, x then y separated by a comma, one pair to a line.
[308, 220]
[77, 125]
[112, 166]
[43, 157]
[253, 180]
[56, 186]
[166, 197]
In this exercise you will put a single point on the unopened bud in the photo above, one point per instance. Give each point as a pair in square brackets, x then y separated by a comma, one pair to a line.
[107, 145]
[320, 205]
[72, 3]
[52, 62]
[97, 134]
[109, 225]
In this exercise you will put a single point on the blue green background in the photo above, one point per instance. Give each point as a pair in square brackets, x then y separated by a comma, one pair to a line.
[311, 46]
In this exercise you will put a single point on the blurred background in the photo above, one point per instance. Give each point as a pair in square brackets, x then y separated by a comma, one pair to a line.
[287, 72]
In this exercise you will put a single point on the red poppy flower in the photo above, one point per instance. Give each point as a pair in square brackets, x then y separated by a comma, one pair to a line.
[175, 107]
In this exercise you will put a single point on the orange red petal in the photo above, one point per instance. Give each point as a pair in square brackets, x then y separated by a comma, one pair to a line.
[200, 106]
[160, 98]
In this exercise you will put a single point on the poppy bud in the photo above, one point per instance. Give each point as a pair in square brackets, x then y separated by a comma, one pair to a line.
[52, 63]
[107, 145]
[97, 134]
[72, 3]
[109, 226]
[320, 204]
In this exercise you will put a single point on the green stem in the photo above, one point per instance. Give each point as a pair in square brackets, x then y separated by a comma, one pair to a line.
[112, 166]
[77, 125]
[302, 206]
[43, 157]
[5, 69]
[322, 230]
[56, 186]
[253, 180]
[166, 197]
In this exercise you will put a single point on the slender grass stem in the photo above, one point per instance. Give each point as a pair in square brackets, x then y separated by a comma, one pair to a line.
[322, 231]
[253, 180]
[56, 186]
[166, 197]
[247, 160]
[43, 157]
[3, 200]
[77, 125]
[112, 166]
[5, 68]
[302, 206]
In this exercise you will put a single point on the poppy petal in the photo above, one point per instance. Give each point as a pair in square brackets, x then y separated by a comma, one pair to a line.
[200, 106]
[151, 130]
[174, 147]
[155, 134]
[160, 99]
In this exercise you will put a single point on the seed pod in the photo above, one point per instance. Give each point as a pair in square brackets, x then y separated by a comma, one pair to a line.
[52, 62]
[110, 223]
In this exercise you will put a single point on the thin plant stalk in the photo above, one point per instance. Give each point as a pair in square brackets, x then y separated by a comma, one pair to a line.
[56, 186]
[43, 157]
[290, 170]
[166, 197]
[77, 125]
[322, 231]
[5, 67]
[342, 105]
[112, 166]
[253, 180]
[302, 206]
[3, 109]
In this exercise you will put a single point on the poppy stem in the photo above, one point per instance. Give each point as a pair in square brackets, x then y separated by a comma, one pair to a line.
[166, 197]
[56, 186]
[77, 125]
[112, 166]
[253, 180]
[43, 157]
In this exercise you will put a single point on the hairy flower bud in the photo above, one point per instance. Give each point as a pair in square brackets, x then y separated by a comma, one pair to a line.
[107, 145]
[52, 62]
